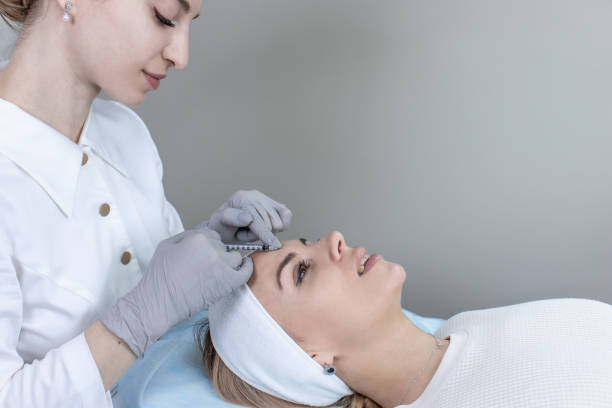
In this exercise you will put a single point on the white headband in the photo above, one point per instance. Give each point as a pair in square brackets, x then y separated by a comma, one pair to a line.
[261, 353]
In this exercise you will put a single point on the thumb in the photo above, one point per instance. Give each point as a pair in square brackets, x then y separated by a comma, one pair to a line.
[232, 259]
[245, 217]
[236, 218]
[244, 271]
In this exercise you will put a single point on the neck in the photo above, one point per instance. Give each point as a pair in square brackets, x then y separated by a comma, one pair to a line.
[384, 369]
[40, 79]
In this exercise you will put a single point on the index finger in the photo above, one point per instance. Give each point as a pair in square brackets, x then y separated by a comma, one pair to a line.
[259, 228]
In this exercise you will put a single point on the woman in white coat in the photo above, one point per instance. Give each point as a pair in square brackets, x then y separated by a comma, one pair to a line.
[95, 264]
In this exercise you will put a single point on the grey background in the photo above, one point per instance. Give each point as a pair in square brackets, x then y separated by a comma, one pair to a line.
[467, 140]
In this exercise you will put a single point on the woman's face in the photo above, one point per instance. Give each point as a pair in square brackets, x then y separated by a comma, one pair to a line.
[114, 41]
[320, 298]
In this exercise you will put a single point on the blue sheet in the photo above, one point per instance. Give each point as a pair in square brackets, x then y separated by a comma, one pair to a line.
[172, 373]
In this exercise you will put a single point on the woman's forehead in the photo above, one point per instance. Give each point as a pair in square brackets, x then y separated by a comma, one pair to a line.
[288, 246]
[265, 263]
[265, 256]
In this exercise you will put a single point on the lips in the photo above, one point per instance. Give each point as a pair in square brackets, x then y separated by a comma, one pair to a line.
[153, 79]
[360, 253]
[371, 262]
[157, 76]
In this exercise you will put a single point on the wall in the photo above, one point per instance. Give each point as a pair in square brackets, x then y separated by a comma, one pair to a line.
[468, 141]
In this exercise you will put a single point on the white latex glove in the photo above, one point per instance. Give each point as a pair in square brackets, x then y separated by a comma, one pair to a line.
[187, 273]
[249, 215]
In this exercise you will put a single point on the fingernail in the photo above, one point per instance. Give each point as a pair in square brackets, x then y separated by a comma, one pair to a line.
[275, 244]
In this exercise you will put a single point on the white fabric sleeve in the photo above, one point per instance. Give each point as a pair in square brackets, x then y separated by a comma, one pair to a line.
[171, 217]
[66, 377]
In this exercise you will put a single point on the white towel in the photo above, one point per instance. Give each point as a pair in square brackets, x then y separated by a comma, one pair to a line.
[254, 346]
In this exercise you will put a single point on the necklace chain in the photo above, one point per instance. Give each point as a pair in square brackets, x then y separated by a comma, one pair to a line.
[438, 347]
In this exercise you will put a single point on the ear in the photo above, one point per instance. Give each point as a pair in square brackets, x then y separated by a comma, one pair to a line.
[323, 357]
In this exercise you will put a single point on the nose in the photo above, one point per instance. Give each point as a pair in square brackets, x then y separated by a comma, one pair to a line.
[336, 245]
[177, 51]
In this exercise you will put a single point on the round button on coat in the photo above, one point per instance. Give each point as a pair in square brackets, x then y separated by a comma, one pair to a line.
[85, 158]
[104, 209]
[125, 257]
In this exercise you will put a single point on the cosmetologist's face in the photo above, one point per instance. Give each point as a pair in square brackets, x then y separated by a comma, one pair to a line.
[321, 298]
[115, 42]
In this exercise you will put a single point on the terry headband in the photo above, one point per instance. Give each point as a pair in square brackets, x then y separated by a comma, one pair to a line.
[254, 346]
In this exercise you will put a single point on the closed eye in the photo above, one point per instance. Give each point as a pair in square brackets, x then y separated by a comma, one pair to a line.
[164, 20]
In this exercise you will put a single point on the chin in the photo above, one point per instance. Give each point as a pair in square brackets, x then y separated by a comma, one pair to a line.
[133, 98]
[394, 284]
[397, 275]
[393, 281]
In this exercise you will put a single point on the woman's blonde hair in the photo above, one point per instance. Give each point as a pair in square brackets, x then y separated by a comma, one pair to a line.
[17, 11]
[233, 389]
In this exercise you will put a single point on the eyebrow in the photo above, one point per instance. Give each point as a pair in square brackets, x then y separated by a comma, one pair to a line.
[284, 263]
[185, 5]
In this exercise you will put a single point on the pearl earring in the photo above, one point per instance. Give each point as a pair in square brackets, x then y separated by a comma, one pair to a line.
[67, 7]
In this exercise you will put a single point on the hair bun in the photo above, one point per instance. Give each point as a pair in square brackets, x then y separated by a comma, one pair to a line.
[15, 10]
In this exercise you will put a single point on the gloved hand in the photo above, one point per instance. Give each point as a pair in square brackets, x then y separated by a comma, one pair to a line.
[248, 216]
[187, 273]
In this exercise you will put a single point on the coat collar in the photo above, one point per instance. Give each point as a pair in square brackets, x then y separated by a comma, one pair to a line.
[49, 157]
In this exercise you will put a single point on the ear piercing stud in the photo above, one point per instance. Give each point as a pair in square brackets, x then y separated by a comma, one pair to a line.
[330, 369]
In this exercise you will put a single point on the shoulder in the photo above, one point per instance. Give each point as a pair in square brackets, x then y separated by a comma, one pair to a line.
[128, 125]
[124, 127]
[13, 179]
[536, 312]
[116, 111]
[12, 210]
[540, 305]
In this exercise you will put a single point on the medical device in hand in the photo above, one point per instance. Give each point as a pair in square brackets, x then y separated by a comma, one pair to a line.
[246, 247]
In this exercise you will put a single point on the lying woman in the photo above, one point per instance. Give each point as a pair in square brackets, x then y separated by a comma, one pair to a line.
[316, 326]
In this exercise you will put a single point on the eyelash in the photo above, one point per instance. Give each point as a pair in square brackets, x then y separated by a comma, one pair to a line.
[303, 267]
[164, 20]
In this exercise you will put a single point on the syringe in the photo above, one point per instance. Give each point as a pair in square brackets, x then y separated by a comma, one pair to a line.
[246, 247]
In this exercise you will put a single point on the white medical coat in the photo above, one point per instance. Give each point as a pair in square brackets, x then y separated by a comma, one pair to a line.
[78, 225]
